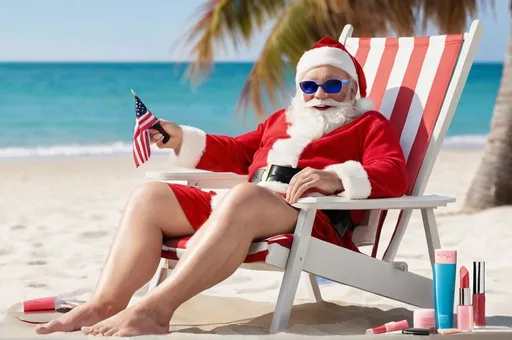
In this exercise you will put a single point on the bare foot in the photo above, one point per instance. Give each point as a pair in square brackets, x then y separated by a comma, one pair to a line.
[84, 315]
[140, 319]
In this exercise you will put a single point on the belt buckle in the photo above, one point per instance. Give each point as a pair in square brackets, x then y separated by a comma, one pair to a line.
[266, 172]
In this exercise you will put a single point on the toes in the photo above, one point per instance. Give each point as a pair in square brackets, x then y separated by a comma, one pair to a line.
[43, 329]
[111, 332]
[126, 332]
[87, 330]
[50, 327]
[103, 330]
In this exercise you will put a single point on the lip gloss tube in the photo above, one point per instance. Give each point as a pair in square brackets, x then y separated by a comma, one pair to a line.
[444, 286]
[479, 293]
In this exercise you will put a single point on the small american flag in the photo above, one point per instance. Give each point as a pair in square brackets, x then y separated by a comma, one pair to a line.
[144, 119]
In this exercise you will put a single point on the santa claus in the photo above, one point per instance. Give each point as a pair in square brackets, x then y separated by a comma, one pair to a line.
[329, 132]
[328, 142]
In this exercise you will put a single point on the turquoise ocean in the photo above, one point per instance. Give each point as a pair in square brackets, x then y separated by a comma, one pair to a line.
[79, 109]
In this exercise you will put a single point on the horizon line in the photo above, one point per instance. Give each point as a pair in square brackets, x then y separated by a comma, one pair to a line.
[107, 61]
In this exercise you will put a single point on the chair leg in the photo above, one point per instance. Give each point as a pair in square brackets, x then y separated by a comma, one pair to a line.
[313, 288]
[431, 233]
[160, 274]
[394, 243]
[293, 270]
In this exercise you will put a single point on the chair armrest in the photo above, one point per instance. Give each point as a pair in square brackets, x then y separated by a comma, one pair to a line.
[404, 202]
[199, 178]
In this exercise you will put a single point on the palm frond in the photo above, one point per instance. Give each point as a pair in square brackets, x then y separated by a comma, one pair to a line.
[450, 16]
[300, 23]
[300, 26]
[294, 32]
[222, 21]
[375, 17]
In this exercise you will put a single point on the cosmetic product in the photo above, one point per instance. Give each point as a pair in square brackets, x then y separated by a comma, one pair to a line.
[424, 318]
[419, 331]
[41, 304]
[400, 325]
[448, 331]
[389, 327]
[47, 304]
[479, 293]
[380, 329]
[61, 303]
[444, 286]
[464, 309]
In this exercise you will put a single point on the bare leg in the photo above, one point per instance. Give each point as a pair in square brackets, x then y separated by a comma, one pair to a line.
[247, 213]
[151, 211]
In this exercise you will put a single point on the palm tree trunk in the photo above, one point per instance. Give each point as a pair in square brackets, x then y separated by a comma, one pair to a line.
[492, 184]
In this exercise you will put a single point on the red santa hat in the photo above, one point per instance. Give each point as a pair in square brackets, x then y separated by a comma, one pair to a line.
[328, 51]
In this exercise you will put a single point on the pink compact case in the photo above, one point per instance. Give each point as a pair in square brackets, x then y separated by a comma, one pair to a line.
[424, 318]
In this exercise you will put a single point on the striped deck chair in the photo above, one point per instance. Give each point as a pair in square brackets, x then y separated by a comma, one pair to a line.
[416, 82]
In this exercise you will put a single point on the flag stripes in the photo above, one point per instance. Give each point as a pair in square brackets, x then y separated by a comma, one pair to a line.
[144, 119]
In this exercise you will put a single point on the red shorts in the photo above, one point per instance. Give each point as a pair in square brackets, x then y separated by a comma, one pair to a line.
[196, 205]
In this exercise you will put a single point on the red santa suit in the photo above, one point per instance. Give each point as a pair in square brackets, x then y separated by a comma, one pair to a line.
[363, 151]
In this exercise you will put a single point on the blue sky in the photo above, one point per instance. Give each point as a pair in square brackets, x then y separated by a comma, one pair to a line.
[146, 30]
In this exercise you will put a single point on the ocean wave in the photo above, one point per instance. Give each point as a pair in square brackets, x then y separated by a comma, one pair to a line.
[457, 142]
[69, 150]
[465, 142]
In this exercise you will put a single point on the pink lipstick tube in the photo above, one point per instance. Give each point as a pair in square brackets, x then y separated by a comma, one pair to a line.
[479, 293]
[389, 327]
[465, 310]
[41, 304]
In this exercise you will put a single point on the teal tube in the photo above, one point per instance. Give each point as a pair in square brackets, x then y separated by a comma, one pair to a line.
[444, 293]
[435, 294]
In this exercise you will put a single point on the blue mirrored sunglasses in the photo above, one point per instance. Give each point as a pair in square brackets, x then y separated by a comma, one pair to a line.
[331, 86]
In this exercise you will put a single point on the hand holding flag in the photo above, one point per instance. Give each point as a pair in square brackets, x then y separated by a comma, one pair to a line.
[144, 120]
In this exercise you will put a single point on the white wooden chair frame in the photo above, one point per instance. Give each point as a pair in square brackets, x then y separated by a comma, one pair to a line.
[315, 257]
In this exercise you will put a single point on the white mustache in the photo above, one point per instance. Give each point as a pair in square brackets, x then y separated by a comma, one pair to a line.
[327, 102]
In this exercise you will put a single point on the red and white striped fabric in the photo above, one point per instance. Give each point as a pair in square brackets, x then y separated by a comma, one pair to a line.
[407, 79]
[174, 249]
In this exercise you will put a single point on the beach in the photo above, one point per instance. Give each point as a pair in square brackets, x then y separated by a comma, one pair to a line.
[58, 217]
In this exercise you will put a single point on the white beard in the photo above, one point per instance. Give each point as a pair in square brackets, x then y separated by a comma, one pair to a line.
[314, 123]
[307, 124]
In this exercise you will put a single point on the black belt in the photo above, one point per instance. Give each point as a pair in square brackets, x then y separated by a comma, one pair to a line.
[340, 219]
[275, 173]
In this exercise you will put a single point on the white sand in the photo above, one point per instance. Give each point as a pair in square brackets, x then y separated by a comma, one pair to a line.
[58, 217]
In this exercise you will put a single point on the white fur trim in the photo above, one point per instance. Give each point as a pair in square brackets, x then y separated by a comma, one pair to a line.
[192, 147]
[354, 179]
[325, 56]
[364, 104]
[286, 152]
[274, 186]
